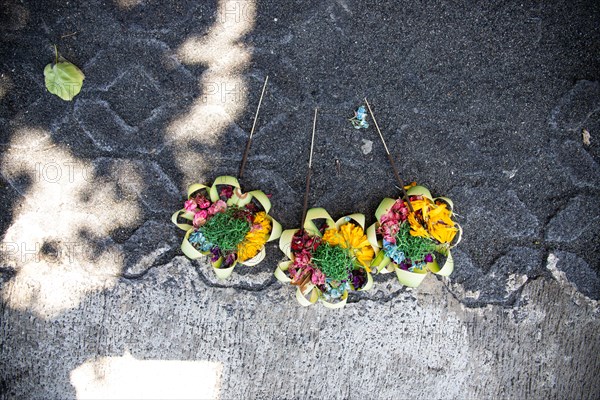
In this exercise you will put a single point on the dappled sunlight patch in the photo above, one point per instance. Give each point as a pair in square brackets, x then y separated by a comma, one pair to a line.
[223, 89]
[209, 116]
[55, 267]
[127, 4]
[129, 378]
[23, 140]
[59, 242]
[220, 53]
[221, 47]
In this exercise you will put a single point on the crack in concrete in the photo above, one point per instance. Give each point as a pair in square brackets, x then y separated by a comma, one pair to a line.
[247, 288]
[354, 298]
[513, 300]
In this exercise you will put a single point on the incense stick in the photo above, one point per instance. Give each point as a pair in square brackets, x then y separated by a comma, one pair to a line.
[309, 172]
[245, 157]
[390, 158]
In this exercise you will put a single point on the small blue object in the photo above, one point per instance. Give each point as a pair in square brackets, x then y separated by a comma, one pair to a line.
[360, 118]
[331, 292]
[199, 240]
[417, 266]
[361, 113]
[393, 252]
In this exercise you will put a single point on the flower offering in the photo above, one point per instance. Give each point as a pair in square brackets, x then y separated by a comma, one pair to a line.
[326, 260]
[226, 225]
[412, 243]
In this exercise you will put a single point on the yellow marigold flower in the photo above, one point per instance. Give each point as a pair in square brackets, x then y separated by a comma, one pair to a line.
[261, 218]
[440, 224]
[333, 237]
[443, 233]
[247, 250]
[256, 238]
[353, 238]
[416, 229]
[420, 204]
[364, 256]
[424, 205]
[441, 213]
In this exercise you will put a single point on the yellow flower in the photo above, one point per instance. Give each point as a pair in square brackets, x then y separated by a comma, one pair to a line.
[441, 213]
[364, 256]
[420, 204]
[434, 221]
[416, 229]
[440, 224]
[443, 233]
[256, 238]
[261, 219]
[247, 250]
[353, 238]
[354, 235]
[333, 237]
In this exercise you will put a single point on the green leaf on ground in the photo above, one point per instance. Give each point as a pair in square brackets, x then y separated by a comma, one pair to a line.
[63, 79]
